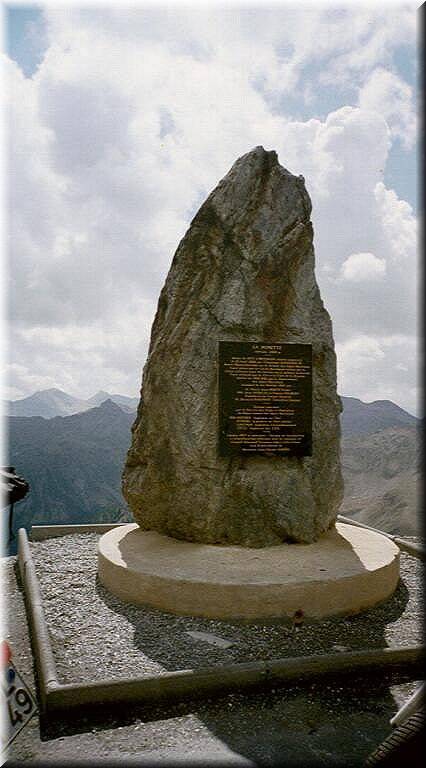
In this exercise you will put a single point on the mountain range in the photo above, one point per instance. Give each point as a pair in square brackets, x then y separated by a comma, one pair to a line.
[357, 417]
[49, 403]
[73, 463]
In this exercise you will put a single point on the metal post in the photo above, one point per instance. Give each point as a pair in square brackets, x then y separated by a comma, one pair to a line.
[10, 522]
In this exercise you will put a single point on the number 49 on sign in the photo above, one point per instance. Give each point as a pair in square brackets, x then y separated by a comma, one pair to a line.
[18, 703]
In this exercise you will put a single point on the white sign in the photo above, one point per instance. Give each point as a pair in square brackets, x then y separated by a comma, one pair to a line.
[18, 704]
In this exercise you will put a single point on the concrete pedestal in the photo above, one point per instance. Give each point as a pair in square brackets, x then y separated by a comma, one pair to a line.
[348, 570]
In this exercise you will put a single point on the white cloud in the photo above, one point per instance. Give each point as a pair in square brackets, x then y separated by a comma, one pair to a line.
[359, 267]
[399, 225]
[360, 351]
[386, 93]
[380, 368]
[372, 35]
[134, 116]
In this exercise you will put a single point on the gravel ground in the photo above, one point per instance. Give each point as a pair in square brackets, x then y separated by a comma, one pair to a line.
[320, 724]
[96, 636]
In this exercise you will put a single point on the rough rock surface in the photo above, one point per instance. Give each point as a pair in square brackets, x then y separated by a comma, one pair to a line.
[243, 272]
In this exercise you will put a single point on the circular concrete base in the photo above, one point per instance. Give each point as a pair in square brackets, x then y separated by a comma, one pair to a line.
[347, 570]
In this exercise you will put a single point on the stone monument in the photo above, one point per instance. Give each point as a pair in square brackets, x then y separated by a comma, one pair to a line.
[233, 474]
[244, 272]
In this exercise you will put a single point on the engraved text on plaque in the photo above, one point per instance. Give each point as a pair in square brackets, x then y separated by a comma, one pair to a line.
[265, 399]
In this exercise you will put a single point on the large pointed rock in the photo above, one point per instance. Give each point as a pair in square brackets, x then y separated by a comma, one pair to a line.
[243, 272]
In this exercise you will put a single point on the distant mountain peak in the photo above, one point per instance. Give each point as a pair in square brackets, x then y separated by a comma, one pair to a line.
[124, 401]
[109, 405]
[49, 403]
[99, 396]
[359, 417]
[42, 393]
[58, 393]
[388, 404]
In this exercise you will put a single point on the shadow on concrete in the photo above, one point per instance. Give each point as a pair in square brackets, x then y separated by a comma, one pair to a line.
[335, 722]
[329, 723]
[163, 637]
[332, 722]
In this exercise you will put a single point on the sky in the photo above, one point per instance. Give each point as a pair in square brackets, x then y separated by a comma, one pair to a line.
[119, 121]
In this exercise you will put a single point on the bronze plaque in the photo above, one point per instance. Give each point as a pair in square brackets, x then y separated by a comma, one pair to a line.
[265, 399]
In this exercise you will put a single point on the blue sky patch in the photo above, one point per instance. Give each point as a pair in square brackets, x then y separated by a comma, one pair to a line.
[25, 36]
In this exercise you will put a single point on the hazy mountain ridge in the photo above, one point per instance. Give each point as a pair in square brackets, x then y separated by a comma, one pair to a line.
[74, 464]
[49, 403]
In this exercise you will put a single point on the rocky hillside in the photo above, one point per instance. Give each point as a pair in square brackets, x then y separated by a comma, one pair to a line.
[73, 465]
[359, 418]
[382, 479]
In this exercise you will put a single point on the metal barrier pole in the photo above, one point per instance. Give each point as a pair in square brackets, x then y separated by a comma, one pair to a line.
[407, 546]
